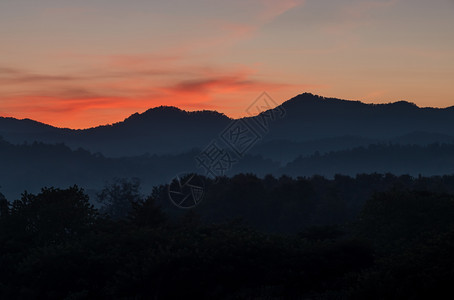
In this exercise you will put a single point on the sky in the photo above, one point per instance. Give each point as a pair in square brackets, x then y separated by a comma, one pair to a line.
[84, 63]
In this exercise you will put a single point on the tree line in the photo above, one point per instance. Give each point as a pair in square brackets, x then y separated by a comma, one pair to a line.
[399, 245]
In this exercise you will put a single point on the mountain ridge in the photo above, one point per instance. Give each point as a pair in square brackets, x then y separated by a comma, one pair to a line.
[171, 130]
[167, 108]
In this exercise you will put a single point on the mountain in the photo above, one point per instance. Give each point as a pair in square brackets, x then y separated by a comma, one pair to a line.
[311, 117]
[430, 160]
[33, 166]
[161, 130]
[306, 135]
[310, 122]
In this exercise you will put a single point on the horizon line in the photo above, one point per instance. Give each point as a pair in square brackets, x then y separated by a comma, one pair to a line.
[224, 114]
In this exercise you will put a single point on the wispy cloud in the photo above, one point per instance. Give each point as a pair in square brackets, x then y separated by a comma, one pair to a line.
[271, 9]
[17, 76]
[68, 100]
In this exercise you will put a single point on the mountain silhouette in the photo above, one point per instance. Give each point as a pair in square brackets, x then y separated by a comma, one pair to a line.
[313, 117]
[310, 120]
[161, 130]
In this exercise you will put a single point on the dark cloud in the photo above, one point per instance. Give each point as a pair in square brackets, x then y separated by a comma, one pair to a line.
[205, 84]
[17, 76]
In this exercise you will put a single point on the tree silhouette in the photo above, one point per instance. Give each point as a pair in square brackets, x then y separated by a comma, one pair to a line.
[118, 197]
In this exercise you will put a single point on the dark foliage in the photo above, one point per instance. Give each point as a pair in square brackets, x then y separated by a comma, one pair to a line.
[290, 205]
[400, 245]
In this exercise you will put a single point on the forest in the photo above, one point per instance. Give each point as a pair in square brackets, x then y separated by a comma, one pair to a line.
[373, 236]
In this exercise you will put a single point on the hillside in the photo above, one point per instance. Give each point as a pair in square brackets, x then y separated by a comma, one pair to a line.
[308, 119]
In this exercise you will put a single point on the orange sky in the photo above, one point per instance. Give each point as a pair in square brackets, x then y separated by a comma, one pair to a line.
[89, 63]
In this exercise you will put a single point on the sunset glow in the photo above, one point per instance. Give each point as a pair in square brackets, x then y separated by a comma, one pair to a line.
[80, 64]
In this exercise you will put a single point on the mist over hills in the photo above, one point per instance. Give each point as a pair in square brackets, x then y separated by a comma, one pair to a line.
[33, 166]
[317, 135]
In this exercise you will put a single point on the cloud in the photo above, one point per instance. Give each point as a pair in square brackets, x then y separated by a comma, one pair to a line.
[227, 31]
[17, 76]
[120, 84]
[71, 100]
[205, 85]
[271, 9]
[358, 13]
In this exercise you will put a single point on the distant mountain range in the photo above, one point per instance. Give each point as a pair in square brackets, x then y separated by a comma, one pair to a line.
[311, 123]
[312, 135]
